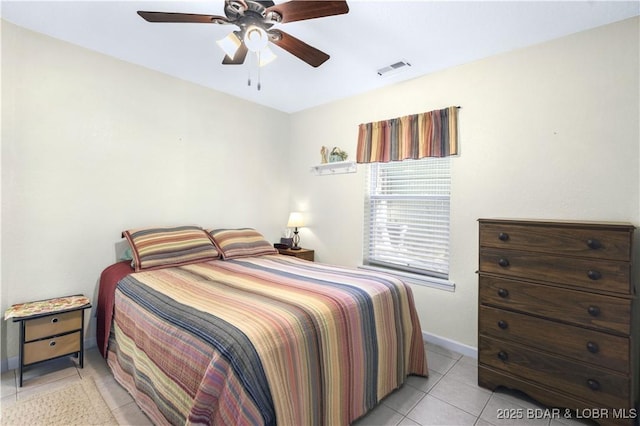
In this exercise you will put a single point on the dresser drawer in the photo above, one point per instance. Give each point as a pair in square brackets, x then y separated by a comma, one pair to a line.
[491, 378]
[51, 348]
[599, 275]
[600, 386]
[582, 240]
[596, 311]
[51, 325]
[594, 347]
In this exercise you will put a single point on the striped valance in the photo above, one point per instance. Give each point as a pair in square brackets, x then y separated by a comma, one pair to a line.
[430, 134]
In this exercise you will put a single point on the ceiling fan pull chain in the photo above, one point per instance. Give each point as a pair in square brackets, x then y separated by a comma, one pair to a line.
[258, 66]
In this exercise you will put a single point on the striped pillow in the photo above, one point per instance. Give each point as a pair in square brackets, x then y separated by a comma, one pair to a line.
[154, 248]
[243, 242]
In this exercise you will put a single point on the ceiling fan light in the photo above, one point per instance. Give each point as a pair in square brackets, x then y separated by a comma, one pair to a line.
[230, 44]
[266, 56]
[256, 39]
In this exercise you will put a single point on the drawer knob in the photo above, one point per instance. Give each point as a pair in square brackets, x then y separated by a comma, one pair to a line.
[503, 356]
[503, 324]
[503, 262]
[503, 292]
[594, 244]
[593, 384]
[594, 275]
[52, 343]
[593, 347]
[54, 320]
[503, 236]
[594, 311]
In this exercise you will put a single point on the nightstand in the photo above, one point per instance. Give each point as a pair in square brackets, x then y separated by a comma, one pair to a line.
[50, 329]
[305, 254]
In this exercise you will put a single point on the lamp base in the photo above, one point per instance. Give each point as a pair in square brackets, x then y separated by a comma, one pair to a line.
[296, 240]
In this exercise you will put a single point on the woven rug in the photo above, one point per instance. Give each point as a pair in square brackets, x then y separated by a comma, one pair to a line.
[75, 404]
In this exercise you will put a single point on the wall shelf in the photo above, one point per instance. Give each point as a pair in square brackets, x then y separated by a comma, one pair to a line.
[335, 168]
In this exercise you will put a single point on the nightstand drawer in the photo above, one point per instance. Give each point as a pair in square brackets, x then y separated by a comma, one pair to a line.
[51, 348]
[302, 253]
[51, 325]
[306, 255]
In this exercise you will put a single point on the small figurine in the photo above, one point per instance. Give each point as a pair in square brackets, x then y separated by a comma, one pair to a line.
[324, 154]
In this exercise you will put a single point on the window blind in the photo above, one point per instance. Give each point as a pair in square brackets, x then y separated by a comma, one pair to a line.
[407, 216]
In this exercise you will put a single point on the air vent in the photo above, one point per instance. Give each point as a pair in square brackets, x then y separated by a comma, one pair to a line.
[394, 68]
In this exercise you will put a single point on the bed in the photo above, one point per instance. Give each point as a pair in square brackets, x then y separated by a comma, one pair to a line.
[249, 336]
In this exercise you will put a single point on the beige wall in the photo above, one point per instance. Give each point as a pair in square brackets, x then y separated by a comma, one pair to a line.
[550, 131]
[92, 145]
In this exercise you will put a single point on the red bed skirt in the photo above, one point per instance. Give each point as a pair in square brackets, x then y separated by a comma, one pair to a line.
[106, 294]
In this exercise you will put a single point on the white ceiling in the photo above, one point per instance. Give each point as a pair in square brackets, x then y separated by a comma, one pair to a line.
[430, 35]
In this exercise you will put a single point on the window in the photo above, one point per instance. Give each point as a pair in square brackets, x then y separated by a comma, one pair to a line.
[407, 216]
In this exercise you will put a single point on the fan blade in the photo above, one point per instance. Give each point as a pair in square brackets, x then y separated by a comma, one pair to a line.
[182, 17]
[238, 58]
[299, 10]
[299, 48]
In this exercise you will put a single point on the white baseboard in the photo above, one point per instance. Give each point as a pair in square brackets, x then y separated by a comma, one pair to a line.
[452, 345]
[13, 362]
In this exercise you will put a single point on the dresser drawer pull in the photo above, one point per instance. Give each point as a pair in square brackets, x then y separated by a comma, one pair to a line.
[594, 311]
[503, 324]
[503, 236]
[593, 384]
[503, 292]
[593, 347]
[54, 320]
[594, 275]
[503, 262]
[52, 343]
[594, 244]
[503, 356]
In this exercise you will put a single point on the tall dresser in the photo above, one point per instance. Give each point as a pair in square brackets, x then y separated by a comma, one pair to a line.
[557, 316]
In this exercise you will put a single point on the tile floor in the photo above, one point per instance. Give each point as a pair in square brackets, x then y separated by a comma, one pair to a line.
[450, 396]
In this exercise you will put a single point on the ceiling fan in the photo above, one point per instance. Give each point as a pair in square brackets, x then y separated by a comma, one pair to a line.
[255, 19]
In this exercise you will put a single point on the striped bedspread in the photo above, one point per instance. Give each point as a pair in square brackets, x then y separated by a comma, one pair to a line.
[263, 340]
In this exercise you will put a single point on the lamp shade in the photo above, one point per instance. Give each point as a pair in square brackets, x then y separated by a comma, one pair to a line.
[266, 56]
[230, 44]
[295, 220]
